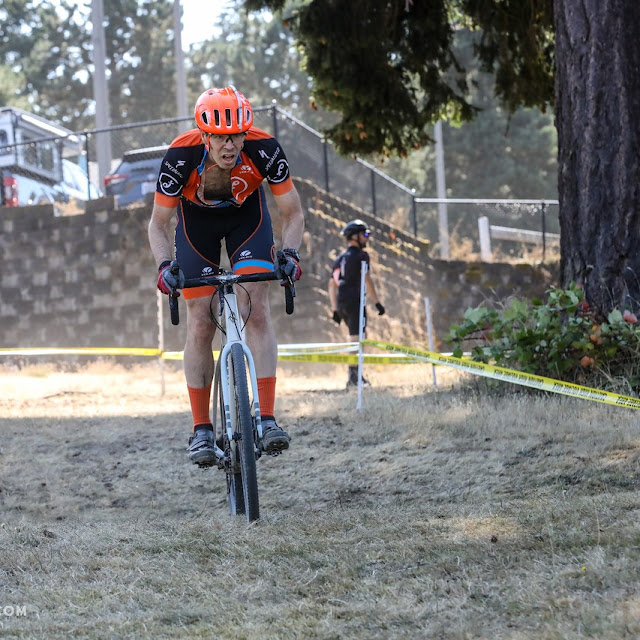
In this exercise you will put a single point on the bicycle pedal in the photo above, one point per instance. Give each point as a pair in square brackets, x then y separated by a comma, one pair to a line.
[274, 453]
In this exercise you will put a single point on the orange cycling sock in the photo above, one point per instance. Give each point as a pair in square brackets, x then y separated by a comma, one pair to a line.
[267, 395]
[199, 399]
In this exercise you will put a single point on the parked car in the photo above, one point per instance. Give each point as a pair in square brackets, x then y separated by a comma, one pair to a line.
[23, 188]
[34, 165]
[135, 176]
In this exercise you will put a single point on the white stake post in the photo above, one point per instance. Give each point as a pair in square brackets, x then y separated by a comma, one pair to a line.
[161, 300]
[427, 308]
[363, 301]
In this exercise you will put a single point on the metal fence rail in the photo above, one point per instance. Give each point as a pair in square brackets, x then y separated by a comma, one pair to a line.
[449, 223]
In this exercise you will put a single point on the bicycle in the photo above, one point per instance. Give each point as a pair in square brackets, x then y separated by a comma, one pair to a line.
[235, 389]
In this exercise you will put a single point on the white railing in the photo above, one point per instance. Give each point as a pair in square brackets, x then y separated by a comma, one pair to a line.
[488, 231]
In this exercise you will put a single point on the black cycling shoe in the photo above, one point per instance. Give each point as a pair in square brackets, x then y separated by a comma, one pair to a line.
[274, 439]
[201, 448]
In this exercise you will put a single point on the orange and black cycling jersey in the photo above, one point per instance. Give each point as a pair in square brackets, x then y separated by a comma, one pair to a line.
[181, 172]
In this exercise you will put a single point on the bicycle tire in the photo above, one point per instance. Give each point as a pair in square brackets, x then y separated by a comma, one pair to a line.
[233, 473]
[244, 428]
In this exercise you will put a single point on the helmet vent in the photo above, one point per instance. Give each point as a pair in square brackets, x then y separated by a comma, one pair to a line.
[227, 117]
[216, 115]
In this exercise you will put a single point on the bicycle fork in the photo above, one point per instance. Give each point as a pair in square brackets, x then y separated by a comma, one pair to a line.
[235, 335]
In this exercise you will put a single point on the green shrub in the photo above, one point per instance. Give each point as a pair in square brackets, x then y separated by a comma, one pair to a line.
[560, 338]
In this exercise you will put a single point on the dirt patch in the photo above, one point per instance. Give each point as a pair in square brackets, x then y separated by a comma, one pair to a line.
[429, 512]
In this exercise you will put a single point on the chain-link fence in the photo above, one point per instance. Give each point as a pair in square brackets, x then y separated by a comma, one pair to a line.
[136, 151]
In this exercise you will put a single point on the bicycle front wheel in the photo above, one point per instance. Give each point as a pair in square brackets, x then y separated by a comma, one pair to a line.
[244, 433]
[233, 470]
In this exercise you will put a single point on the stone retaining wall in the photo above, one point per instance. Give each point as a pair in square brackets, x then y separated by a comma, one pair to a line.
[89, 280]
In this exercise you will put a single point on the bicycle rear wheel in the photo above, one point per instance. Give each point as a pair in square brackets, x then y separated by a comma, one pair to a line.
[244, 432]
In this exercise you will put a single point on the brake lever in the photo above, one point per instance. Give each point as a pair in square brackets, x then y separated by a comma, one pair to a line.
[291, 286]
[173, 297]
[287, 283]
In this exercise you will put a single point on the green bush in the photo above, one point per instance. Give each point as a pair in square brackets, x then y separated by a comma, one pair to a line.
[560, 338]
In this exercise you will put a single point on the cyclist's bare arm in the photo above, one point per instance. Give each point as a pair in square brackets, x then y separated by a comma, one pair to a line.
[371, 289]
[333, 293]
[160, 232]
[292, 218]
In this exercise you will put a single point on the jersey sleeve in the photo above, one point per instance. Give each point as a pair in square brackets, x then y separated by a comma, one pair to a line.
[271, 161]
[172, 176]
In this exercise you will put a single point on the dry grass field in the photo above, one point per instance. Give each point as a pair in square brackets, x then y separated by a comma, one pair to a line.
[429, 513]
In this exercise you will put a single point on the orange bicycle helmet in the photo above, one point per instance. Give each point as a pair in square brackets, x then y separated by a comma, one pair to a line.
[221, 111]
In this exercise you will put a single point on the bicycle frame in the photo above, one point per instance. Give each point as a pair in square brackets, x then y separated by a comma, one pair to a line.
[240, 418]
[232, 332]
[240, 411]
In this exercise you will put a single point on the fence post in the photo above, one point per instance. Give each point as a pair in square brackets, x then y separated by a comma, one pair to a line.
[414, 216]
[325, 156]
[427, 309]
[544, 229]
[86, 155]
[274, 115]
[361, 330]
[373, 191]
[485, 239]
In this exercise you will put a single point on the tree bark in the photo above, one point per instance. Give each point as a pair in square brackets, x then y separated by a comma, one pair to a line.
[597, 57]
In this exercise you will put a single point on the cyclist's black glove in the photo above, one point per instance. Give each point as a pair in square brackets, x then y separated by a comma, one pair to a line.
[168, 282]
[337, 318]
[380, 309]
[290, 268]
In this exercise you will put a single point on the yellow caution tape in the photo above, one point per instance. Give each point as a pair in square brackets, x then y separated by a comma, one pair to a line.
[516, 377]
[337, 358]
[173, 355]
[334, 347]
[179, 355]
[328, 353]
[89, 351]
[310, 352]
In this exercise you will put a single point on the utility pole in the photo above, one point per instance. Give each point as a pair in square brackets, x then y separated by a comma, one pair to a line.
[443, 218]
[100, 90]
[181, 78]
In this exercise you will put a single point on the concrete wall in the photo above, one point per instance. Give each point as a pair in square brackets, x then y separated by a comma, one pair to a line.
[89, 280]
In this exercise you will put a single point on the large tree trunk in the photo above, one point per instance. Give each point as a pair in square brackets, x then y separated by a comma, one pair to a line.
[597, 55]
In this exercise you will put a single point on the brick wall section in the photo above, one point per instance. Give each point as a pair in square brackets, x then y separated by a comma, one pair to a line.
[89, 280]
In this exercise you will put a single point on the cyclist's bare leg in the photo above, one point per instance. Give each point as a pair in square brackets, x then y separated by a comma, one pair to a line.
[198, 370]
[260, 334]
[198, 355]
[262, 341]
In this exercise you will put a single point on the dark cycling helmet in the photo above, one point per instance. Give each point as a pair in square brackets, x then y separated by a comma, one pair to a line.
[223, 111]
[354, 227]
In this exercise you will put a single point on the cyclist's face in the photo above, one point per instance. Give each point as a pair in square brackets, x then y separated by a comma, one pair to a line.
[224, 149]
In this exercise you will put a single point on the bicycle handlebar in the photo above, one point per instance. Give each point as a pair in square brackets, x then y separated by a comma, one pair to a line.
[226, 277]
